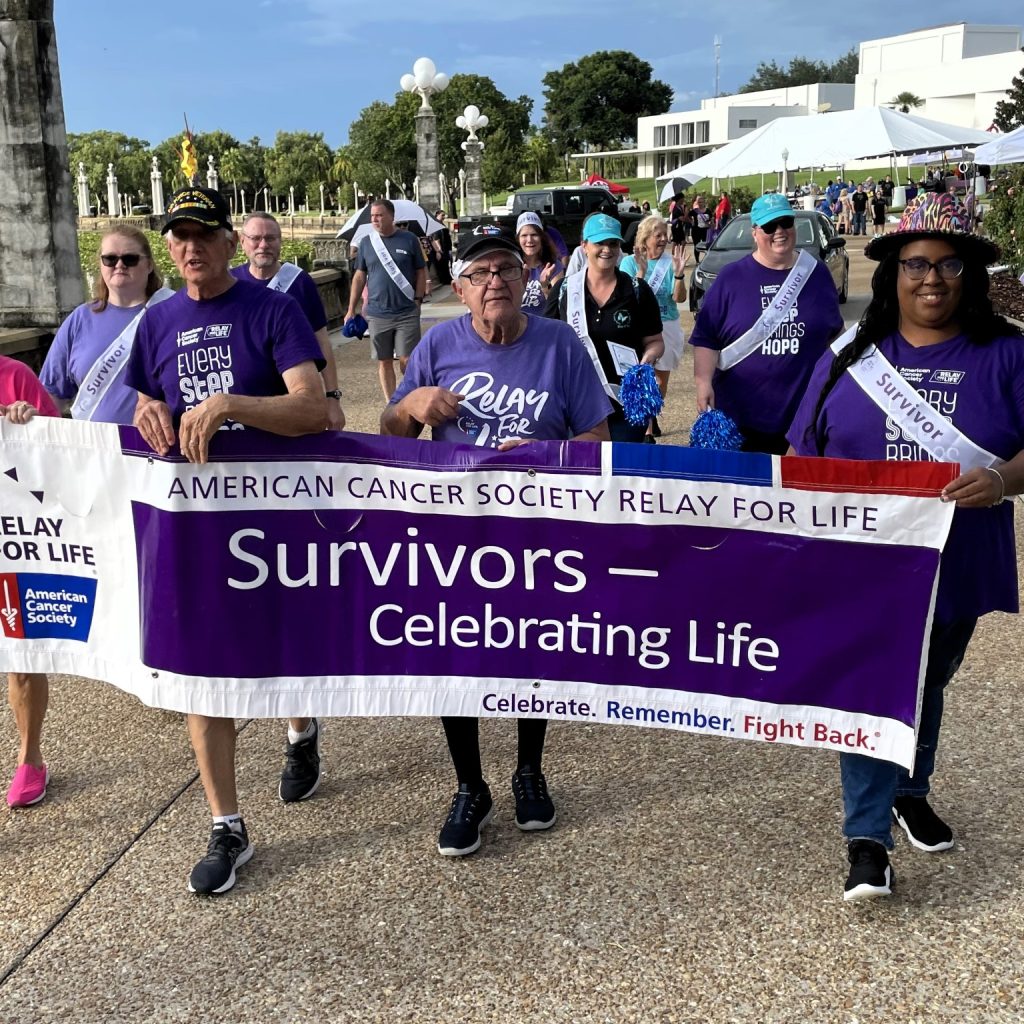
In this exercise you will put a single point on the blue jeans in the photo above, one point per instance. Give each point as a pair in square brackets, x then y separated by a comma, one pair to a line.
[870, 785]
[860, 223]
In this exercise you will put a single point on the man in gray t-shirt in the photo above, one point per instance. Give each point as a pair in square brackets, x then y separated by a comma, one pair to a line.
[390, 265]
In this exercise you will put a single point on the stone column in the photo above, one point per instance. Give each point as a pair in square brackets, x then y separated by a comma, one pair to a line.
[427, 166]
[156, 183]
[474, 188]
[243, 201]
[40, 276]
[83, 191]
[212, 178]
[113, 199]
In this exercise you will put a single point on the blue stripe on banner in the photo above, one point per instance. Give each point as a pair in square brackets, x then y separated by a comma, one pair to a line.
[679, 463]
[568, 457]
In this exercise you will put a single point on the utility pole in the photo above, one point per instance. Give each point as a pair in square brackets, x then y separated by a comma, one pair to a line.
[718, 55]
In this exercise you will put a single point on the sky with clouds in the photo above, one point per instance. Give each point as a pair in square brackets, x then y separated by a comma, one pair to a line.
[253, 67]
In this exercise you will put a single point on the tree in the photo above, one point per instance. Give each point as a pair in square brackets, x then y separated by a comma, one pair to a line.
[598, 99]
[244, 166]
[299, 160]
[540, 156]
[382, 143]
[96, 150]
[508, 123]
[802, 71]
[905, 101]
[382, 140]
[1010, 112]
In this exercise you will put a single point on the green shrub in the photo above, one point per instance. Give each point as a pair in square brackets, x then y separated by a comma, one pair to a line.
[1004, 218]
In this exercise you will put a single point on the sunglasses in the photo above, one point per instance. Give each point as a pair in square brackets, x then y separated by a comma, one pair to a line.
[129, 259]
[780, 222]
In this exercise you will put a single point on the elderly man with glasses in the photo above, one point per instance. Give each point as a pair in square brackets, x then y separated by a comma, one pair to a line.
[496, 378]
[261, 243]
[764, 323]
[221, 354]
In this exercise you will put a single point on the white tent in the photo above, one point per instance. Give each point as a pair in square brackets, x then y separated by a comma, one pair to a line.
[1003, 149]
[827, 140]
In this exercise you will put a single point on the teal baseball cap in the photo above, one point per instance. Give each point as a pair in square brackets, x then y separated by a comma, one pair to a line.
[600, 227]
[768, 207]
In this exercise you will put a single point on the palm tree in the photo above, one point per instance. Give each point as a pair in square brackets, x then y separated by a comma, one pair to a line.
[904, 101]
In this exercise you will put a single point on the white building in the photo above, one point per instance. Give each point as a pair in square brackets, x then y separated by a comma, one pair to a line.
[960, 71]
[665, 141]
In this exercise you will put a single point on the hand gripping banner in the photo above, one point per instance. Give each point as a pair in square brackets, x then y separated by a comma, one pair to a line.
[747, 596]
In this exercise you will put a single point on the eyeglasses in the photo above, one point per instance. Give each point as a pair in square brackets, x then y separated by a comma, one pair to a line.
[129, 259]
[780, 222]
[262, 238]
[917, 268]
[479, 278]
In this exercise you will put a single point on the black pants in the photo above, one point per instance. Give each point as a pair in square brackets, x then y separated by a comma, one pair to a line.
[463, 736]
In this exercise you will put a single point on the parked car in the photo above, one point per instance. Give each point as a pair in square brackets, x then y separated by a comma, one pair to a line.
[813, 232]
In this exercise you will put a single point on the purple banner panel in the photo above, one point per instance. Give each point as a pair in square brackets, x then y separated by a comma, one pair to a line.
[768, 617]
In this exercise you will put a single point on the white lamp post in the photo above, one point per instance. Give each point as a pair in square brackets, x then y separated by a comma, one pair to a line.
[426, 81]
[785, 171]
[469, 121]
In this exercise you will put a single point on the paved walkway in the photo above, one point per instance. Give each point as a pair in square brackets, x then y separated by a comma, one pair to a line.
[689, 879]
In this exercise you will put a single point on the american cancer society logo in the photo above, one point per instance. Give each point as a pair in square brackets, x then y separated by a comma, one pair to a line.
[35, 606]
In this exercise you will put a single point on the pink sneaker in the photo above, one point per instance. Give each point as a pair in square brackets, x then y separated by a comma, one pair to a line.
[28, 786]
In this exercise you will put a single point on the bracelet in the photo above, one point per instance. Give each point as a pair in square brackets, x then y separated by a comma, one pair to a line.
[335, 393]
[680, 277]
[1002, 485]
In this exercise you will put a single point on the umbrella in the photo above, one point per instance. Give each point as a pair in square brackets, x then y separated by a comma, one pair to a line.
[366, 229]
[1004, 149]
[680, 183]
[405, 210]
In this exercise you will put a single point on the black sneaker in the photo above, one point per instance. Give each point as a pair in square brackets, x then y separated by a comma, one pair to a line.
[924, 828]
[226, 851]
[471, 810]
[301, 774]
[534, 808]
[870, 875]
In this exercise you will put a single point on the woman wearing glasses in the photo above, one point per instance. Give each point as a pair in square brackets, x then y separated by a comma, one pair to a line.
[617, 320]
[960, 369]
[764, 323]
[84, 368]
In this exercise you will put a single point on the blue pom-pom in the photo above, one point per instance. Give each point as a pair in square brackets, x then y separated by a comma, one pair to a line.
[713, 429]
[356, 327]
[639, 394]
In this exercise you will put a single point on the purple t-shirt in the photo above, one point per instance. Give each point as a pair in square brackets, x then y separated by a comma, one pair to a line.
[542, 387]
[980, 389]
[303, 290]
[239, 343]
[81, 340]
[763, 391]
[534, 299]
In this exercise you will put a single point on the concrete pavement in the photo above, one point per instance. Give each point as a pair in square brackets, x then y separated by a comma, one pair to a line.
[689, 879]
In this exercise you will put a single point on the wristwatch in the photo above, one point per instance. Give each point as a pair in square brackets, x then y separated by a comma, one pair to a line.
[336, 393]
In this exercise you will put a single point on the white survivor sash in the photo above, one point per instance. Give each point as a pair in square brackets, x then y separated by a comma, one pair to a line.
[105, 370]
[285, 277]
[576, 315]
[766, 324]
[388, 263]
[661, 268]
[880, 381]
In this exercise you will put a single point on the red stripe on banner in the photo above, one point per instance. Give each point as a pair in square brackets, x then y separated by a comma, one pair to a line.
[916, 479]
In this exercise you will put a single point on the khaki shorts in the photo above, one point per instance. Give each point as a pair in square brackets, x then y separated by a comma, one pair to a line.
[394, 337]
